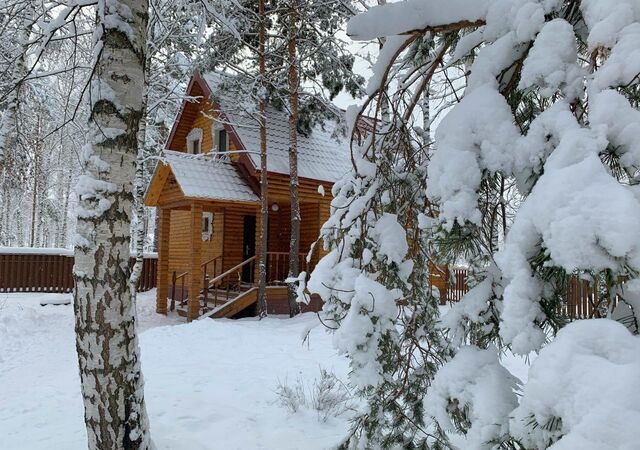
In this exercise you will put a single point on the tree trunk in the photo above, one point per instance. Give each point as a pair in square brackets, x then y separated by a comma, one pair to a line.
[9, 125]
[156, 228]
[65, 212]
[138, 196]
[294, 243]
[264, 205]
[34, 195]
[106, 341]
[426, 114]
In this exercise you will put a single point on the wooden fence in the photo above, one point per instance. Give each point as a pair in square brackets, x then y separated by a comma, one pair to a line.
[582, 300]
[51, 271]
[456, 285]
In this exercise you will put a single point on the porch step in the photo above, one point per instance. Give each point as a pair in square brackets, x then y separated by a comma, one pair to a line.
[233, 306]
[223, 297]
[182, 309]
[217, 298]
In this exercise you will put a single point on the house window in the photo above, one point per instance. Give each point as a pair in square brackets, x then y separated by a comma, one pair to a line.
[222, 140]
[195, 146]
[207, 226]
[194, 141]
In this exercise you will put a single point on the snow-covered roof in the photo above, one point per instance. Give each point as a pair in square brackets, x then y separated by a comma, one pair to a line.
[208, 177]
[323, 155]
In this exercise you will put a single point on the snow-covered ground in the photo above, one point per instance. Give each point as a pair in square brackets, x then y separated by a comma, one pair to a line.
[209, 384]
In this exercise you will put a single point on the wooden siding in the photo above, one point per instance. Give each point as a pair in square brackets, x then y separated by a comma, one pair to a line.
[323, 213]
[307, 189]
[164, 236]
[195, 259]
[180, 240]
[234, 233]
[171, 192]
[190, 111]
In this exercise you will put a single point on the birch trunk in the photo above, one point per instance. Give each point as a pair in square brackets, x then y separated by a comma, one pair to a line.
[34, 195]
[138, 191]
[294, 243]
[9, 125]
[264, 204]
[106, 341]
[62, 239]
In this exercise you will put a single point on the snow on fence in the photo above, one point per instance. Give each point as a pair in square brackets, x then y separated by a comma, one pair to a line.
[50, 270]
[582, 300]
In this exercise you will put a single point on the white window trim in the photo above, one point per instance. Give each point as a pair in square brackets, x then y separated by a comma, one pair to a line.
[215, 128]
[194, 135]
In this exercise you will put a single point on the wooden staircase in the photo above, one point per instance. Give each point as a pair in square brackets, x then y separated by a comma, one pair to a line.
[233, 306]
[216, 299]
[224, 295]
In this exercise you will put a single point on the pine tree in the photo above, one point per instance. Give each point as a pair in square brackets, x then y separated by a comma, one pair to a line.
[294, 116]
[317, 67]
[238, 50]
[526, 167]
[375, 279]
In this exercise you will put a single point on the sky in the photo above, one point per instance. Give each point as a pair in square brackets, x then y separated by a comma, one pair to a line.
[361, 66]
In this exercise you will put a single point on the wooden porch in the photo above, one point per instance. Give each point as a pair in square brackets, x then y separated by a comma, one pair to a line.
[210, 248]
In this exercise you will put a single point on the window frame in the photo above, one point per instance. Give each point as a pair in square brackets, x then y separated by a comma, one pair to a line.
[194, 138]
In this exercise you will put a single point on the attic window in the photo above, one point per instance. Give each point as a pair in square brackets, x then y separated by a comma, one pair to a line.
[195, 147]
[194, 141]
[222, 140]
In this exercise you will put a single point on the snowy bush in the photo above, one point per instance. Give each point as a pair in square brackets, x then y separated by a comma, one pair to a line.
[582, 391]
[326, 395]
[473, 395]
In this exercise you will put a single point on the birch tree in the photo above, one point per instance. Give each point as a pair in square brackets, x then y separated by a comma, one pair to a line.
[106, 341]
[19, 21]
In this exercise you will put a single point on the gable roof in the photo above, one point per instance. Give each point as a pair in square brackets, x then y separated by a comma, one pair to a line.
[323, 155]
[205, 176]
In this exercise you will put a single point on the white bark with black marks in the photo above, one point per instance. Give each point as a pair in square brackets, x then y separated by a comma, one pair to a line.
[9, 122]
[106, 341]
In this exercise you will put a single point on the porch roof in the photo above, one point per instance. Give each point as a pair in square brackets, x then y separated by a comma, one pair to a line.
[206, 176]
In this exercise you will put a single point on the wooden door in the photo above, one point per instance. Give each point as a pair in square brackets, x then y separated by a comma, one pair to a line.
[248, 246]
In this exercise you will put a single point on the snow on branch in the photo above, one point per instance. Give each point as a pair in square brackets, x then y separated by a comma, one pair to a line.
[416, 15]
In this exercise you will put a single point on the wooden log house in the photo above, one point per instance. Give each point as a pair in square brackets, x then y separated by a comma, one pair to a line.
[206, 191]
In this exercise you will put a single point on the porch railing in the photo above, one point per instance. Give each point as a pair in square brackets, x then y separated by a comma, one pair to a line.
[219, 286]
[175, 279]
[227, 283]
[213, 267]
[278, 266]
